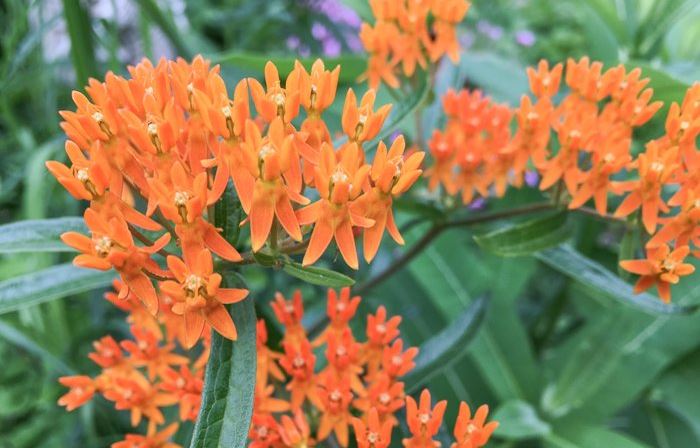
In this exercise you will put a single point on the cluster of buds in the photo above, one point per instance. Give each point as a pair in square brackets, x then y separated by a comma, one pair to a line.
[302, 400]
[145, 374]
[169, 139]
[410, 33]
[579, 148]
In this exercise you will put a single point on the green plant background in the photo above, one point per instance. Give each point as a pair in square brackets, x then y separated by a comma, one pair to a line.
[564, 355]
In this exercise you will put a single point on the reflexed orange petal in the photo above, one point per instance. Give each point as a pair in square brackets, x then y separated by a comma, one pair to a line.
[219, 318]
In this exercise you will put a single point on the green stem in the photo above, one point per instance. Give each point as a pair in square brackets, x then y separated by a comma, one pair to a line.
[82, 47]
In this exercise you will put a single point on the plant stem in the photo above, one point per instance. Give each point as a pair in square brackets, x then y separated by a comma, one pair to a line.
[437, 229]
[146, 240]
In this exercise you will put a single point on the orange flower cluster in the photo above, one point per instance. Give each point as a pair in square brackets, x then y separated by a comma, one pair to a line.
[355, 385]
[582, 146]
[145, 374]
[410, 33]
[170, 138]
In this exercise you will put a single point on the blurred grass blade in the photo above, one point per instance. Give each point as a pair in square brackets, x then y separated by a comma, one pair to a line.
[14, 336]
[527, 237]
[317, 276]
[351, 65]
[229, 384]
[593, 276]
[49, 284]
[519, 420]
[602, 40]
[167, 26]
[446, 347]
[82, 47]
[39, 235]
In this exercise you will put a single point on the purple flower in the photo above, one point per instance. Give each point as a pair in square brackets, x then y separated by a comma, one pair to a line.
[477, 204]
[526, 38]
[493, 32]
[532, 178]
[318, 31]
[293, 42]
[331, 46]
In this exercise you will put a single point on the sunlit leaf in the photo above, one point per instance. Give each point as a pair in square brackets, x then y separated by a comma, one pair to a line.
[41, 235]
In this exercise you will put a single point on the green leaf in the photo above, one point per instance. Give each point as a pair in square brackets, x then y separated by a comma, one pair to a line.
[228, 214]
[41, 235]
[82, 48]
[16, 337]
[605, 284]
[446, 347]
[317, 276]
[527, 237]
[672, 391]
[591, 437]
[606, 365]
[602, 43]
[351, 65]
[229, 384]
[500, 78]
[519, 420]
[167, 26]
[49, 284]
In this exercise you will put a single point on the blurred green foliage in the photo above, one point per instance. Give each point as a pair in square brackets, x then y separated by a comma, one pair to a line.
[561, 365]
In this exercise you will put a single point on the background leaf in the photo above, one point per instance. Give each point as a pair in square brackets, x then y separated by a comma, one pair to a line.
[49, 284]
[317, 276]
[40, 235]
[519, 420]
[527, 237]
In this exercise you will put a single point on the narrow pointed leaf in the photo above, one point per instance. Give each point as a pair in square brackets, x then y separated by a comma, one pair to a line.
[528, 237]
[607, 285]
[229, 384]
[228, 214]
[446, 347]
[41, 235]
[49, 284]
[13, 335]
[317, 276]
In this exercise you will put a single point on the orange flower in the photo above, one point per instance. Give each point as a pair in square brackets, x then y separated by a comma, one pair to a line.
[396, 362]
[152, 439]
[340, 309]
[267, 358]
[112, 245]
[339, 179]
[373, 434]
[385, 396]
[82, 389]
[146, 350]
[269, 161]
[187, 386]
[544, 83]
[295, 432]
[198, 297]
[655, 166]
[263, 431]
[662, 268]
[275, 101]
[360, 122]
[137, 395]
[335, 398]
[472, 432]
[391, 175]
[423, 421]
[289, 313]
[299, 363]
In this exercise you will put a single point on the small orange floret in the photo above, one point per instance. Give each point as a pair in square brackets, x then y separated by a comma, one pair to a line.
[662, 268]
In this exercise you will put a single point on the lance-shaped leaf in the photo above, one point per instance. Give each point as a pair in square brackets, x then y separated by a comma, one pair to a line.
[440, 351]
[229, 384]
[228, 214]
[317, 276]
[519, 420]
[527, 237]
[49, 284]
[40, 235]
[10, 334]
[593, 276]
